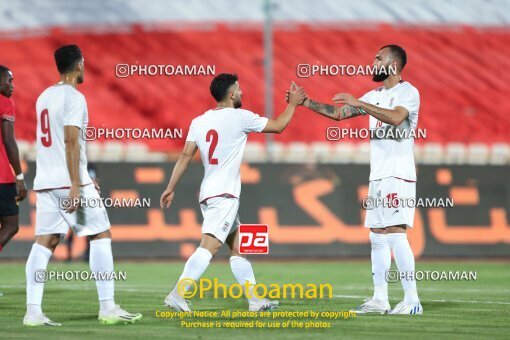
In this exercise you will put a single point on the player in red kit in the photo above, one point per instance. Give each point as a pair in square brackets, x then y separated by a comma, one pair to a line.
[12, 185]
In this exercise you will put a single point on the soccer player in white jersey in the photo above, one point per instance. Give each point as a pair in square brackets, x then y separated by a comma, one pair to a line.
[392, 106]
[61, 177]
[220, 135]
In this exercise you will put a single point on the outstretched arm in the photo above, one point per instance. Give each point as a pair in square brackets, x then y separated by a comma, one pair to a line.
[278, 124]
[295, 97]
[394, 117]
[332, 111]
[190, 148]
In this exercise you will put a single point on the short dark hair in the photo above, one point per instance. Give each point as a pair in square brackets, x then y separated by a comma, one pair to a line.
[3, 70]
[67, 57]
[398, 53]
[220, 85]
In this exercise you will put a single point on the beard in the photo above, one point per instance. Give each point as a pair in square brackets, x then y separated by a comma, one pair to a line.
[237, 104]
[380, 77]
[381, 74]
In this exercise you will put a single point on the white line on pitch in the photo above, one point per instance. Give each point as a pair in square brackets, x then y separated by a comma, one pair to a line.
[159, 289]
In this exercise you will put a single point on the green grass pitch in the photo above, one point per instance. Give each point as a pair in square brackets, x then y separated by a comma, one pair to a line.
[452, 309]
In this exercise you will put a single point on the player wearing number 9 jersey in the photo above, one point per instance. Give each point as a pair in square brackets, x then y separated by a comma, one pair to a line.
[61, 175]
[58, 106]
[220, 134]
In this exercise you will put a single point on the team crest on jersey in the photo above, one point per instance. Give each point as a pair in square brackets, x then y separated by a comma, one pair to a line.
[391, 101]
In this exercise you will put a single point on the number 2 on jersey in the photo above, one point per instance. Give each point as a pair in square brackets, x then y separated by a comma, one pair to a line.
[45, 128]
[212, 137]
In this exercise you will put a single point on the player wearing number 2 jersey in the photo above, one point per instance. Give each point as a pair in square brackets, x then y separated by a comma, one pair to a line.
[393, 106]
[62, 176]
[220, 135]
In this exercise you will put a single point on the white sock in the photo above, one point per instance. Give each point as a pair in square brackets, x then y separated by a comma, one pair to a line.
[195, 266]
[34, 309]
[381, 262]
[404, 258]
[101, 261]
[243, 272]
[35, 271]
[106, 305]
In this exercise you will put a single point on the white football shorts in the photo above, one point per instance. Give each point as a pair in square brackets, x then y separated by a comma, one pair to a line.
[51, 218]
[390, 203]
[220, 216]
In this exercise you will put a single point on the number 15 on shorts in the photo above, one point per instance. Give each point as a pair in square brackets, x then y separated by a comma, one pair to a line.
[253, 239]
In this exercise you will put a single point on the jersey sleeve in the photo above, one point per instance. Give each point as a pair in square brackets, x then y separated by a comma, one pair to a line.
[75, 107]
[410, 100]
[191, 134]
[366, 97]
[7, 110]
[251, 122]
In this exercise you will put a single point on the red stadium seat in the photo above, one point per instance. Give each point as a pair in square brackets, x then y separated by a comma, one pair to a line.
[462, 94]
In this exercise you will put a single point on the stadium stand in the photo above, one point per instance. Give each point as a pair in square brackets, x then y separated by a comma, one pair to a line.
[461, 93]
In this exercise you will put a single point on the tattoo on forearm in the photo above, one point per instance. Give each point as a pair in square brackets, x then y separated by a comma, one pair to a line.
[334, 112]
[324, 109]
[348, 111]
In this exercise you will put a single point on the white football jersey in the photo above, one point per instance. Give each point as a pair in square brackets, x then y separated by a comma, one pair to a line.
[393, 157]
[221, 135]
[58, 106]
